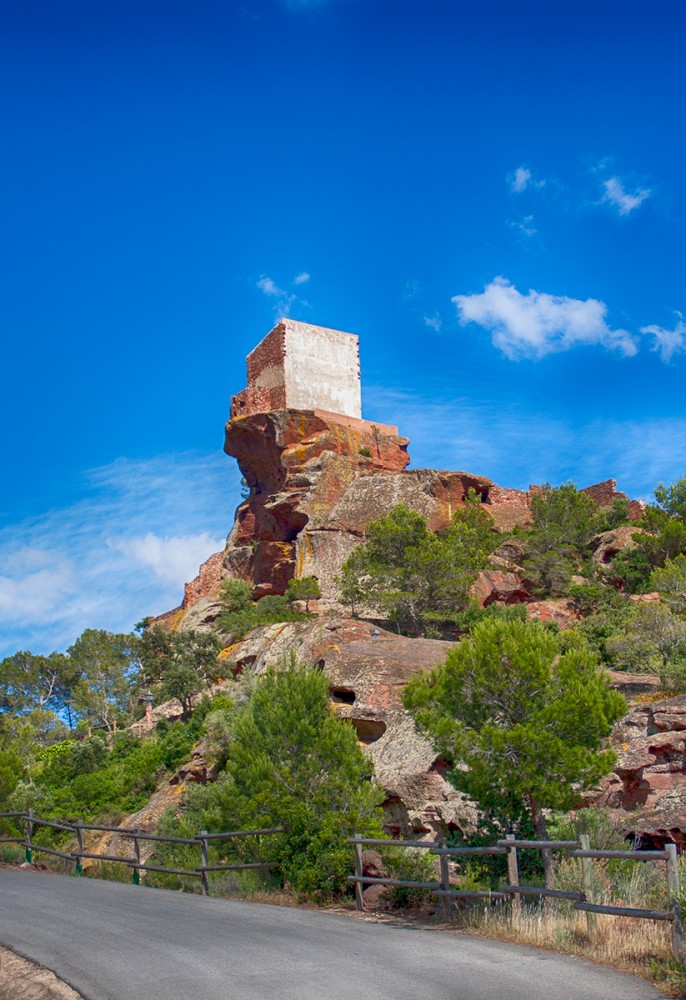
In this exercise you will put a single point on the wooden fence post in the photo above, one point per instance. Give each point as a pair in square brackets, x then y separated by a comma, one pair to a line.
[137, 857]
[205, 860]
[513, 876]
[446, 904]
[28, 854]
[79, 848]
[359, 871]
[673, 888]
[587, 876]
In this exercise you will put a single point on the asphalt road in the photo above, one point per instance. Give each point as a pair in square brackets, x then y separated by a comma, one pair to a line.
[119, 942]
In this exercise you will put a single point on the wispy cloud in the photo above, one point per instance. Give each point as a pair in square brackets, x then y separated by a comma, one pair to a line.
[120, 553]
[522, 178]
[284, 300]
[624, 201]
[524, 227]
[434, 322]
[536, 324]
[667, 343]
[516, 448]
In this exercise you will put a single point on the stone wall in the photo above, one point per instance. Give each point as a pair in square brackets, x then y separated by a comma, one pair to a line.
[266, 389]
[301, 366]
[322, 369]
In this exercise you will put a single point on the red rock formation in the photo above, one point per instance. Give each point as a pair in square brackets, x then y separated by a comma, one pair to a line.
[648, 784]
[297, 464]
[493, 585]
[206, 583]
[316, 479]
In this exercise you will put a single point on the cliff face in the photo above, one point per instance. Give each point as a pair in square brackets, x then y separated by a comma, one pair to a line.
[317, 479]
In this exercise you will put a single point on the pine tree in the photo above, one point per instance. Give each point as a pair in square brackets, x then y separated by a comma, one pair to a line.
[523, 725]
[292, 763]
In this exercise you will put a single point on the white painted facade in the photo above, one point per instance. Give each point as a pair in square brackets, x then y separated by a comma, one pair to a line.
[321, 369]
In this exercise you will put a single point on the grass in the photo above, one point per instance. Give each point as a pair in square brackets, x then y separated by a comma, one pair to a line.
[637, 947]
[11, 853]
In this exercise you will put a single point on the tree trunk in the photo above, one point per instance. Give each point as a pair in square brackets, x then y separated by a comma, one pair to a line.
[542, 834]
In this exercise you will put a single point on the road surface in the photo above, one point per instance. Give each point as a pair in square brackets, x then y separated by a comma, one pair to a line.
[121, 942]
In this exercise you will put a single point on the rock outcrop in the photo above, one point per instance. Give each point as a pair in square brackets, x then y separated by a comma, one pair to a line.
[647, 786]
[316, 479]
[367, 670]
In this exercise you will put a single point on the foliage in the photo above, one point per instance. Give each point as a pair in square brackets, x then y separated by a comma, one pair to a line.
[652, 640]
[178, 664]
[239, 613]
[106, 664]
[635, 884]
[672, 499]
[409, 864]
[614, 516]
[292, 763]
[30, 683]
[95, 776]
[304, 588]
[11, 771]
[662, 537]
[563, 525]
[670, 580]
[414, 576]
[524, 723]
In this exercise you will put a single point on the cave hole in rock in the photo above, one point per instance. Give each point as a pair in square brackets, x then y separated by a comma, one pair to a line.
[369, 730]
[319, 665]
[240, 665]
[342, 695]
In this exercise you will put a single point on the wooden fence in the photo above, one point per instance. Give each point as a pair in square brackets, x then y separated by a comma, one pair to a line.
[202, 841]
[513, 891]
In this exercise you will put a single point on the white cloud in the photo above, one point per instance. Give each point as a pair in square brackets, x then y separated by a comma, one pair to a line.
[621, 199]
[522, 179]
[536, 324]
[434, 322]
[524, 227]
[269, 287]
[171, 559]
[122, 551]
[283, 298]
[519, 181]
[667, 343]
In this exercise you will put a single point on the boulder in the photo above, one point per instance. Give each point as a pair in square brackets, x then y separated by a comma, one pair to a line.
[493, 585]
[610, 543]
[647, 786]
[511, 551]
[559, 610]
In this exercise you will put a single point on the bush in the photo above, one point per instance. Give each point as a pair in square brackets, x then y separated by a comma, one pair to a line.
[291, 763]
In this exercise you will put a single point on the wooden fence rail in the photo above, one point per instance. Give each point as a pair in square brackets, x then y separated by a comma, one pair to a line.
[514, 890]
[76, 856]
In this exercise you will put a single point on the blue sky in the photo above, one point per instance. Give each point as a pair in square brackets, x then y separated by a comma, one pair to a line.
[492, 196]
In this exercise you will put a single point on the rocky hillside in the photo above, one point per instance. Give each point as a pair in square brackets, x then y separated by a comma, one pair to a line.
[316, 480]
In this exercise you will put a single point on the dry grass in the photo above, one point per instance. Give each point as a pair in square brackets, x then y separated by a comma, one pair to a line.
[638, 947]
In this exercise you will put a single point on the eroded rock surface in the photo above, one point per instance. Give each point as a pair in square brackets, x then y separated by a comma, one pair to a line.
[648, 782]
[367, 670]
